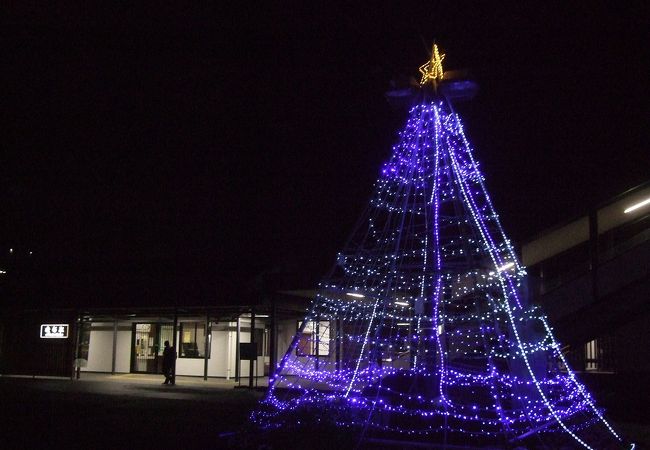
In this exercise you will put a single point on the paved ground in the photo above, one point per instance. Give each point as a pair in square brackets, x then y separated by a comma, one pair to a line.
[136, 411]
[124, 411]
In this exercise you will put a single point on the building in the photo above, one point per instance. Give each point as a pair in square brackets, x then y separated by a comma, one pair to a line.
[46, 330]
[591, 275]
[210, 342]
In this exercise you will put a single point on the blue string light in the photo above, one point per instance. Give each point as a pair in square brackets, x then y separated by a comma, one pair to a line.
[424, 323]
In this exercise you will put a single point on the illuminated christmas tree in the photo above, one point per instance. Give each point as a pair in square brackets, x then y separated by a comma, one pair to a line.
[423, 330]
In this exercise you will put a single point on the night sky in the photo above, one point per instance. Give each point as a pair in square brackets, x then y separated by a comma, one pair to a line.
[209, 146]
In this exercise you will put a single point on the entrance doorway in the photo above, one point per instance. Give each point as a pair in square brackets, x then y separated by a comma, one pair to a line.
[147, 346]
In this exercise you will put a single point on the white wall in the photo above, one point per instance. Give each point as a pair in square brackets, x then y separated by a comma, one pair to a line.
[100, 350]
[219, 354]
[218, 365]
[189, 366]
[123, 354]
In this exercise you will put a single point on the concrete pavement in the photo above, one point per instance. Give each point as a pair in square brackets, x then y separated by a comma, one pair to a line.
[137, 385]
[120, 411]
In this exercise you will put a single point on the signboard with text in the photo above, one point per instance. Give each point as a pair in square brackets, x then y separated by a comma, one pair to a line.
[54, 330]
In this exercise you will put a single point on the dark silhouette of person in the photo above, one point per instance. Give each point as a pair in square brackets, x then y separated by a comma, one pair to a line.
[169, 357]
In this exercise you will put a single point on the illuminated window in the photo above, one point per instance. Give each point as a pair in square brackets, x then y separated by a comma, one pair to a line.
[599, 354]
[315, 339]
[591, 355]
[192, 340]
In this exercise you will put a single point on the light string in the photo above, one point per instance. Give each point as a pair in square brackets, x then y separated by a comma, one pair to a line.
[427, 293]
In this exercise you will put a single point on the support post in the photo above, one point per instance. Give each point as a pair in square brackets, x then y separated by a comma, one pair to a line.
[228, 365]
[175, 343]
[208, 337]
[237, 355]
[317, 342]
[251, 363]
[114, 346]
[273, 343]
[76, 369]
[337, 346]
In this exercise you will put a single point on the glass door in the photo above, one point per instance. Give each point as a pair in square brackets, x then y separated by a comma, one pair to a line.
[165, 333]
[148, 346]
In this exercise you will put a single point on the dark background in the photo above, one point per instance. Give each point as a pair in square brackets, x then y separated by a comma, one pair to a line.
[178, 154]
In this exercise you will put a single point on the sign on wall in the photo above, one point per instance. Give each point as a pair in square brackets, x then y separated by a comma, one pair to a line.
[54, 331]
[247, 351]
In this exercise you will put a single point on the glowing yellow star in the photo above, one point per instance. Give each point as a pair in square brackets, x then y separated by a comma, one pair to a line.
[432, 70]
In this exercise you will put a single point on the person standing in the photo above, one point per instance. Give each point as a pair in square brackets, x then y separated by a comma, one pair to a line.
[169, 358]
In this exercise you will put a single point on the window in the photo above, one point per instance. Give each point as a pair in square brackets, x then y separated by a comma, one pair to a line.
[166, 334]
[591, 356]
[599, 354]
[307, 343]
[192, 340]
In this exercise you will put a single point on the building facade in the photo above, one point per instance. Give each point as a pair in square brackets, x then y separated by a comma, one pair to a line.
[223, 342]
[591, 276]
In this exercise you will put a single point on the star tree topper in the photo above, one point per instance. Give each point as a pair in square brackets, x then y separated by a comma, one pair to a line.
[432, 70]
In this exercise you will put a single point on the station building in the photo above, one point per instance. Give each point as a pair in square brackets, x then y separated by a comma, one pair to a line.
[233, 342]
[42, 333]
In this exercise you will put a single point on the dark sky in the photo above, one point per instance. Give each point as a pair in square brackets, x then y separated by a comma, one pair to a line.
[241, 139]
